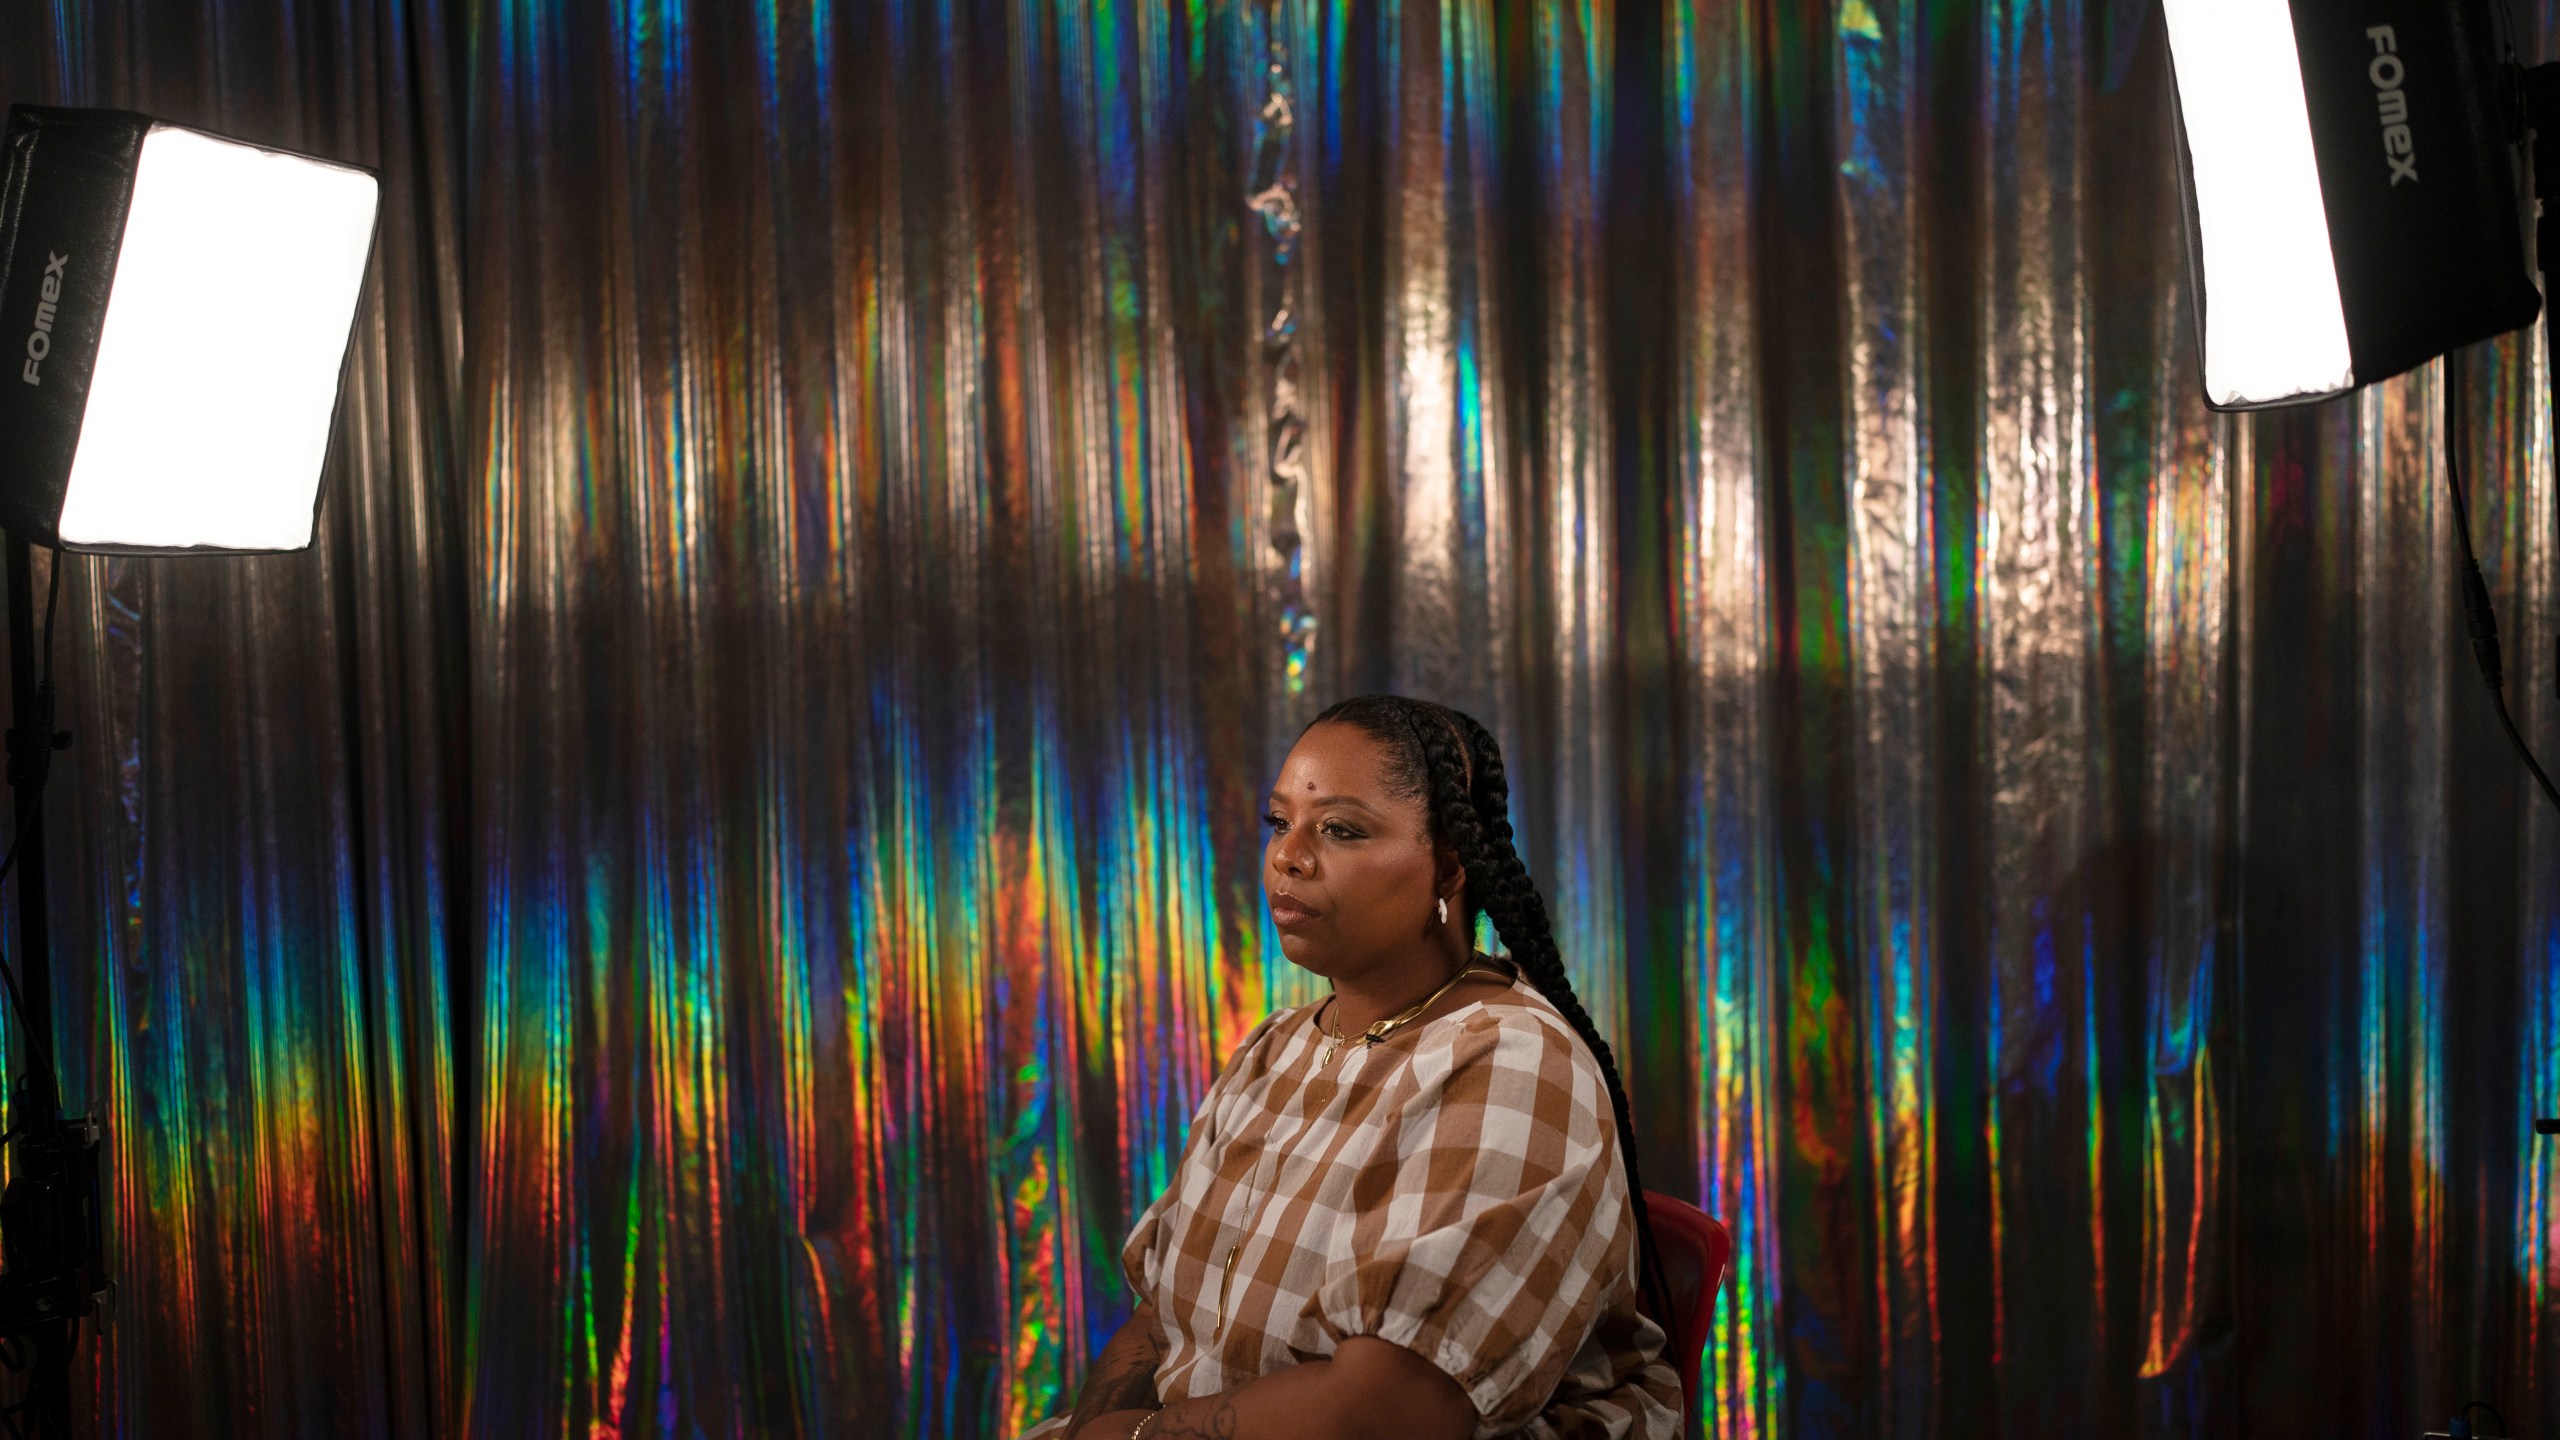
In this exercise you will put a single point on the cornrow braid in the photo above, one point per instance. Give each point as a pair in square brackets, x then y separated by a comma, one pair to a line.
[1451, 760]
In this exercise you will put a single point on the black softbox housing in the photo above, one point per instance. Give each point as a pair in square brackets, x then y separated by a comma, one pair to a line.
[71, 175]
[2429, 264]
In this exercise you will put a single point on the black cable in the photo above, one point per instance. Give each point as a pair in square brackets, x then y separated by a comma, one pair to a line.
[2482, 618]
[2461, 1426]
[17, 1003]
[8, 972]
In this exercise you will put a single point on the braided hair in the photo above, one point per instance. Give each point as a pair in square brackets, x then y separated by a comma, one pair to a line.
[1450, 760]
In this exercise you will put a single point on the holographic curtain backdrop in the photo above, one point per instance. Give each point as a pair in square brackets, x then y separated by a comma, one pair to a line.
[704, 905]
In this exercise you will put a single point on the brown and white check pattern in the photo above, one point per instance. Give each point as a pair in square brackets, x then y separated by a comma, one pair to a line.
[1453, 1189]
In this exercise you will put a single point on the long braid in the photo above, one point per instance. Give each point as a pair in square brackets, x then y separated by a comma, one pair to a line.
[1456, 765]
[1520, 917]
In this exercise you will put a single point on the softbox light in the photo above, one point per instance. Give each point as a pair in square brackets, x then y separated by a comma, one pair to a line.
[175, 310]
[2356, 198]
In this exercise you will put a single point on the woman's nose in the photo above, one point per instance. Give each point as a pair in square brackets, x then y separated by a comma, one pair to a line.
[1289, 856]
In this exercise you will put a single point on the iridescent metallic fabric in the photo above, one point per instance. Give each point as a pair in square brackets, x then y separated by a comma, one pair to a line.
[704, 905]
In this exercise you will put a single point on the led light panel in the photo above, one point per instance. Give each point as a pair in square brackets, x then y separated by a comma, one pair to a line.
[2275, 328]
[175, 309]
[226, 329]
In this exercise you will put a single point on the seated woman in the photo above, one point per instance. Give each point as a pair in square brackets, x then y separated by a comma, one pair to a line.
[1405, 1211]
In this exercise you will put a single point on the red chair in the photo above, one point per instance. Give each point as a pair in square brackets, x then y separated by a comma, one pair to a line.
[1694, 1250]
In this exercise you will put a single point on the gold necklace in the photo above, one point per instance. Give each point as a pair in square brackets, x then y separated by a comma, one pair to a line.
[1334, 1038]
[1262, 1202]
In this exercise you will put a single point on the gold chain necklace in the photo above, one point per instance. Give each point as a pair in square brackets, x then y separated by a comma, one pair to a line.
[1262, 1202]
[1334, 1039]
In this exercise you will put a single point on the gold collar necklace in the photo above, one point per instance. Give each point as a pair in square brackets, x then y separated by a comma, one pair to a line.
[1334, 1038]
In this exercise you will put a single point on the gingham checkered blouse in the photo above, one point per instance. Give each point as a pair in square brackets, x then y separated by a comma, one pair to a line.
[1453, 1189]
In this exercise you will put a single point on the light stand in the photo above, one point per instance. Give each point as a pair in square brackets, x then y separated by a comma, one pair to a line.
[52, 1271]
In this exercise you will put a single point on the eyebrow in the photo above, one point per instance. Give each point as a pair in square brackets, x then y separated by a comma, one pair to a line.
[1352, 800]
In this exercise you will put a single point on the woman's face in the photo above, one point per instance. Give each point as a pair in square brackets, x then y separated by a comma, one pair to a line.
[1351, 871]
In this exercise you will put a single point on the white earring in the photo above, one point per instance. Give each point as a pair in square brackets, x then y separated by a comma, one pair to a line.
[1444, 909]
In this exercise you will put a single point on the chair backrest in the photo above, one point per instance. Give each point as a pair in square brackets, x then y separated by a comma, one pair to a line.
[1694, 1250]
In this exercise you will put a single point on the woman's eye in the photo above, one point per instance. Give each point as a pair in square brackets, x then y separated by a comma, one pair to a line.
[1340, 831]
[1274, 824]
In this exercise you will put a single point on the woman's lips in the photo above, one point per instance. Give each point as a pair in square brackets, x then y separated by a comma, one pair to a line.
[1287, 910]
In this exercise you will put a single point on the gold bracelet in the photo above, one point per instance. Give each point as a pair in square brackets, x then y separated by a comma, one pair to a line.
[1143, 1422]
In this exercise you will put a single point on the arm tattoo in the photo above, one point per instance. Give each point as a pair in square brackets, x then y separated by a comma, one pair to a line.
[1210, 1418]
[1124, 1376]
[1131, 1388]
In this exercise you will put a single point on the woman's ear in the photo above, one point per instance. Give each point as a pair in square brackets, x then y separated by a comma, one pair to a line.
[1448, 877]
